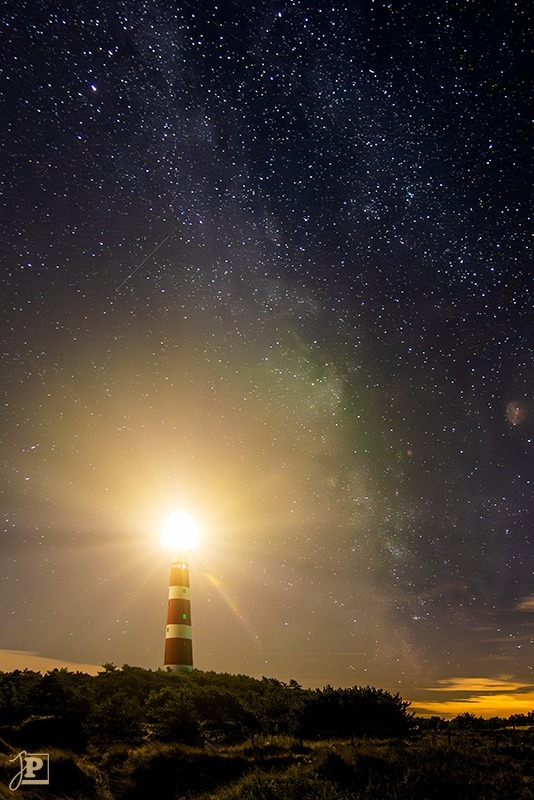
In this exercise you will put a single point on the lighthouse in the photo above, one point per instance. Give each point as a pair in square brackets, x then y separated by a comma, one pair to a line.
[179, 534]
[178, 636]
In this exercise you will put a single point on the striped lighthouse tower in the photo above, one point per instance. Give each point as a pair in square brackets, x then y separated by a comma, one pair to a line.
[178, 638]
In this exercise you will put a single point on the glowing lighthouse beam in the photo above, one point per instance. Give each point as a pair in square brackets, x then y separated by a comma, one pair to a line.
[180, 535]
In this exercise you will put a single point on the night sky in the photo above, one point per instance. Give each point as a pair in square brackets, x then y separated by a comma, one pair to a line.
[267, 263]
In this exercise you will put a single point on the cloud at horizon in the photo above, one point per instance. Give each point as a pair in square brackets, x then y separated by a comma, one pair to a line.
[11, 660]
[485, 697]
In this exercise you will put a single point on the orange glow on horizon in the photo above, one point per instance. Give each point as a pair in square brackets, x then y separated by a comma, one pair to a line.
[483, 697]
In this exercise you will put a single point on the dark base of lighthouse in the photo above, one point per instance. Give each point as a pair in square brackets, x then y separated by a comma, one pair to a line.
[178, 654]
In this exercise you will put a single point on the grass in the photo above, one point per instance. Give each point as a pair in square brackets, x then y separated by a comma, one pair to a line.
[425, 768]
[392, 771]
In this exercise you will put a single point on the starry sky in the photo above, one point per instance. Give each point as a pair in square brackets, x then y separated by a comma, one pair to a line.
[267, 263]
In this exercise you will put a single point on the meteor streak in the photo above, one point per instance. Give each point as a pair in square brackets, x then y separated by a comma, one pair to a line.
[127, 278]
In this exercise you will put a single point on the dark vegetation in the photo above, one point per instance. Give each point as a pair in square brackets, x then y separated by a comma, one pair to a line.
[130, 734]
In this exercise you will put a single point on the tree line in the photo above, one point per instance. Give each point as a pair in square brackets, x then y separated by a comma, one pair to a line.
[131, 704]
[134, 704]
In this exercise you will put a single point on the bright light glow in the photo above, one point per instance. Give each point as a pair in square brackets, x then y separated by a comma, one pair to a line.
[180, 532]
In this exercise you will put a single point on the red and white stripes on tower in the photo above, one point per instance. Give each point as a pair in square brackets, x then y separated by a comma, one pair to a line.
[178, 639]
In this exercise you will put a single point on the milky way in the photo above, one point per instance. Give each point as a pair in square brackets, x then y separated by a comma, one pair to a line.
[269, 263]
